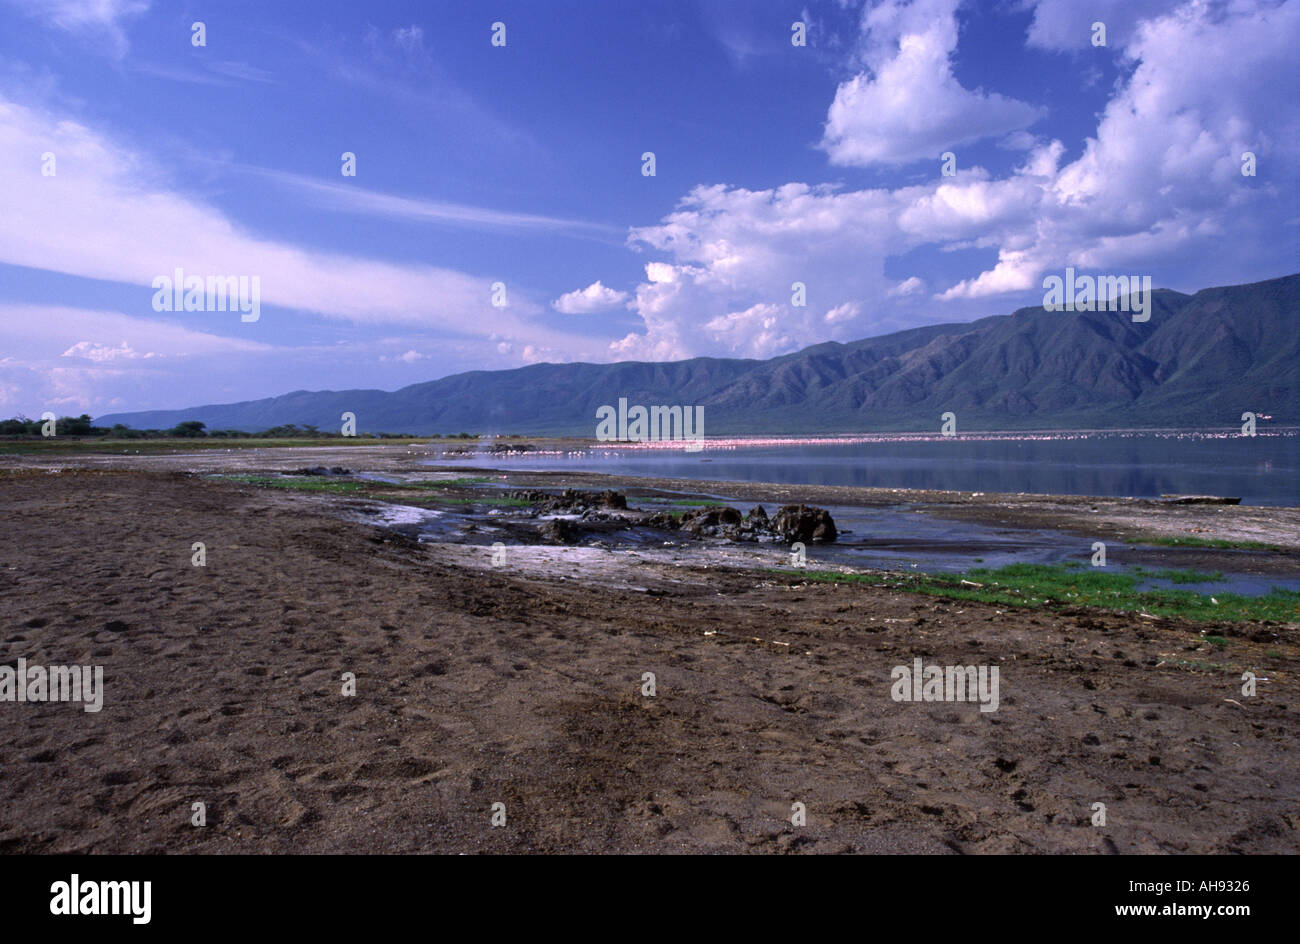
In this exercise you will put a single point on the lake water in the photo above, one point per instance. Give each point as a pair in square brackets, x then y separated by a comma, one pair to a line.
[1261, 470]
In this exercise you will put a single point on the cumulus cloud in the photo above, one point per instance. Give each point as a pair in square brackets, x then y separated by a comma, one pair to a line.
[845, 312]
[63, 357]
[909, 286]
[755, 332]
[1203, 76]
[595, 297]
[1157, 187]
[102, 352]
[410, 357]
[735, 254]
[1067, 24]
[909, 106]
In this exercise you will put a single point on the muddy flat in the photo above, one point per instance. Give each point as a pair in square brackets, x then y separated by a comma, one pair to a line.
[524, 684]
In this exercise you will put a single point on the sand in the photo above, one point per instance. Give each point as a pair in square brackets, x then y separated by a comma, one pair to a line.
[522, 685]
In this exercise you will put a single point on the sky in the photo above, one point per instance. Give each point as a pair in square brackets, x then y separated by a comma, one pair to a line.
[501, 213]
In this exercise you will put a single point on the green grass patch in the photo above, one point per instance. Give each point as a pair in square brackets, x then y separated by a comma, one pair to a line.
[1219, 543]
[302, 484]
[1068, 584]
[501, 502]
[1178, 576]
[448, 483]
[372, 489]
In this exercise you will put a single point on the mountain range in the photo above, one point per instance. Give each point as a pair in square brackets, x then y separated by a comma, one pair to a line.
[1201, 360]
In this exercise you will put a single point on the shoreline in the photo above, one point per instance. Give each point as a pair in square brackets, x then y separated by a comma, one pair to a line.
[522, 684]
[1132, 521]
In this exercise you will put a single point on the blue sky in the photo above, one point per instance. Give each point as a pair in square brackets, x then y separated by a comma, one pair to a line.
[522, 164]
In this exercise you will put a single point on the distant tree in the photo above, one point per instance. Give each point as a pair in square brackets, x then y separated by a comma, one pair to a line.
[74, 426]
[188, 428]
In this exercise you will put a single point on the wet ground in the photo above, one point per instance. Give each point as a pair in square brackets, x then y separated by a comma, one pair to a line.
[521, 681]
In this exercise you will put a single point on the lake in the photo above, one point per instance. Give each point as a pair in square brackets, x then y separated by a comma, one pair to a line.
[1261, 470]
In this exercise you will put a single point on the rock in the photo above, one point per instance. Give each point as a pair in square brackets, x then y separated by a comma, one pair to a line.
[559, 531]
[792, 523]
[612, 499]
[320, 470]
[570, 501]
[709, 520]
[804, 523]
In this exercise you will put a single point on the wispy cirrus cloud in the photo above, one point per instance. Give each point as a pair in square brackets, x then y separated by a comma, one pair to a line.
[219, 73]
[352, 198]
[109, 213]
[91, 19]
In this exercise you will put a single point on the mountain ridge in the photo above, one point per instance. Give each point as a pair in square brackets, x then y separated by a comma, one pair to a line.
[1201, 360]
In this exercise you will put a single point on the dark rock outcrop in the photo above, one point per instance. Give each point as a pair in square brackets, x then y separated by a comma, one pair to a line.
[804, 523]
[709, 520]
[607, 510]
[571, 501]
[559, 531]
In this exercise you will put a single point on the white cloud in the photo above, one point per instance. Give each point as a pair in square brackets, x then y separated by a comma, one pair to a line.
[755, 332]
[845, 312]
[33, 333]
[110, 213]
[64, 357]
[351, 198]
[1019, 141]
[1161, 178]
[595, 297]
[1157, 185]
[93, 18]
[102, 352]
[1066, 25]
[736, 253]
[909, 286]
[909, 106]
[410, 357]
[409, 38]
[660, 272]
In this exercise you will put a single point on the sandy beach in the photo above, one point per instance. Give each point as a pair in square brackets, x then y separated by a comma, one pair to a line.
[522, 684]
